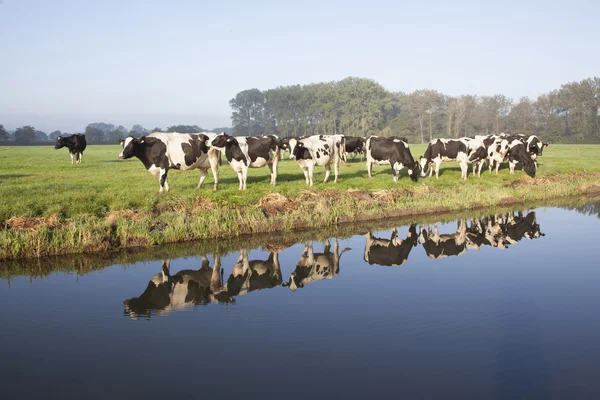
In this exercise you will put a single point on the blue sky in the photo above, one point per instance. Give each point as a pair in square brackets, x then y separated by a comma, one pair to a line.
[68, 63]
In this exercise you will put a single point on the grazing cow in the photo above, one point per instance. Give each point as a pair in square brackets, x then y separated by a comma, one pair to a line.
[313, 266]
[163, 151]
[517, 153]
[355, 145]
[440, 150]
[392, 252]
[440, 246]
[250, 275]
[166, 292]
[318, 150]
[76, 145]
[245, 152]
[392, 151]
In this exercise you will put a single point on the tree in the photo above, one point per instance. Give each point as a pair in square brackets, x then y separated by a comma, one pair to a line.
[138, 130]
[248, 112]
[116, 135]
[3, 133]
[41, 136]
[94, 134]
[184, 129]
[54, 135]
[25, 134]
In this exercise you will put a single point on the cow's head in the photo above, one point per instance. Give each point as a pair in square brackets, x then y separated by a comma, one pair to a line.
[424, 166]
[130, 145]
[529, 168]
[289, 144]
[294, 283]
[223, 140]
[413, 171]
[59, 143]
[501, 146]
[204, 141]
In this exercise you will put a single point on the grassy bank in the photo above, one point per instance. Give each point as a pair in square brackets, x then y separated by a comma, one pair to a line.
[49, 207]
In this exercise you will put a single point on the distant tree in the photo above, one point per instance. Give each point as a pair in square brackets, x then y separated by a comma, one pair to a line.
[116, 135]
[185, 128]
[40, 135]
[247, 116]
[94, 134]
[157, 129]
[54, 135]
[25, 134]
[3, 133]
[138, 130]
[227, 130]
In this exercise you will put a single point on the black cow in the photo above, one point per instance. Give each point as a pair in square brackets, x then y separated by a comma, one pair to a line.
[392, 151]
[313, 266]
[439, 150]
[355, 145]
[392, 252]
[245, 152]
[76, 145]
[163, 151]
[517, 153]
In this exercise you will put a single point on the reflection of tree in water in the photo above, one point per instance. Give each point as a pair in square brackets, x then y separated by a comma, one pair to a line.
[590, 208]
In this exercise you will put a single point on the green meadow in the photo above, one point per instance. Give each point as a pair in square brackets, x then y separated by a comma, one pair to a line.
[48, 206]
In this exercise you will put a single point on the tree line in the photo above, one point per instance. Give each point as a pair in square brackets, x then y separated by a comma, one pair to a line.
[361, 107]
[98, 132]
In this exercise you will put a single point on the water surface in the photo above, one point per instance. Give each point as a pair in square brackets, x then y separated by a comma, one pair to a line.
[496, 306]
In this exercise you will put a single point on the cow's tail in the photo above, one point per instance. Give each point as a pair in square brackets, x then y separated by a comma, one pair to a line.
[220, 158]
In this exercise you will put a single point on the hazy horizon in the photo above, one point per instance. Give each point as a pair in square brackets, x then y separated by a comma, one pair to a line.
[72, 63]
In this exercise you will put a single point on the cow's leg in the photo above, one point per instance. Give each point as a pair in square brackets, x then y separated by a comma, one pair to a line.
[203, 173]
[438, 162]
[274, 171]
[369, 167]
[395, 171]
[305, 170]
[80, 157]
[240, 179]
[213, 160]
[327, 172]
[311, 169]
[464, 167]
[72, 161]
[497, 166]
[245, 175]
[162, 180]
[336, 170]
[480, 166]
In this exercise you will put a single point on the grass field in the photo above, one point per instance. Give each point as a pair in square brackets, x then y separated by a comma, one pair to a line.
[48, 206]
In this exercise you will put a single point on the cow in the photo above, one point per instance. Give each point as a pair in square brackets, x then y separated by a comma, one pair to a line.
[393, 151]
[163, 151]
[75, 143]
[497, 152]
[288, 143]
[250, 275]
[166, 292]
[390, 252]
[244, 152]
[318, 150]
[535, 147]
[355, 145]
[439, 150]
[314, 267]
[517, 153]
[478, 151]
[520, 227]
[440, 246]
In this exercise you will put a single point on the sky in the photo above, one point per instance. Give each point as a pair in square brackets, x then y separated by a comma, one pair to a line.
[64, 64]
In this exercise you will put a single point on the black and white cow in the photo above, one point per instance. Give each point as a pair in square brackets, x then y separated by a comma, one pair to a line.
[355, 145]
[163, 151]
[288, 143]
[439, 150]
[497, 153]
[535, 147]
[440, 246]
[478, 151]
[517, 153]
[520, 227]
[166, 292]
[76, 145]
[314, 267]
[244, 152]
[390, 252]
[392, 151]
[250, 275]
[315, 150]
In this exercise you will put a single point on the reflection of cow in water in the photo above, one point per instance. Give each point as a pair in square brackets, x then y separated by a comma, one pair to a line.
[166, 292]
[502, 230]
[248, 276]
[316, 266]
[392, 252]
[440, 246]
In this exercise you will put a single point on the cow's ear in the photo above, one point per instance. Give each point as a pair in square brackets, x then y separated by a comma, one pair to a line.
[142, 139]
